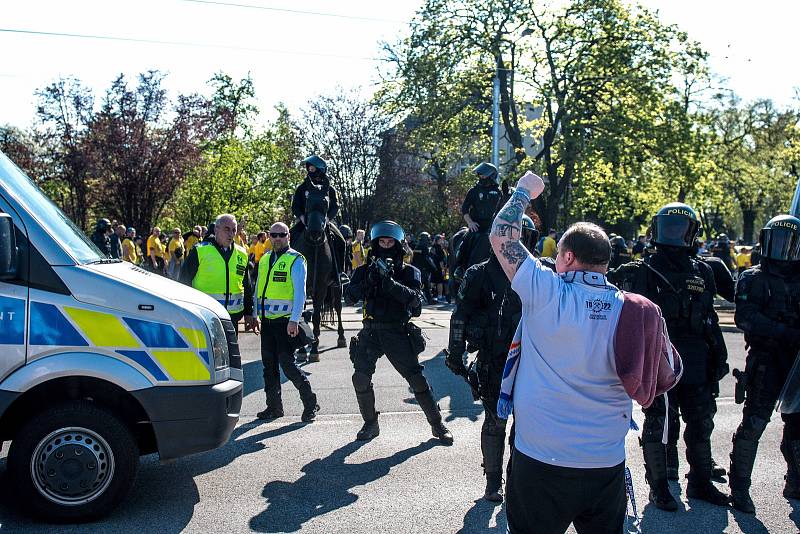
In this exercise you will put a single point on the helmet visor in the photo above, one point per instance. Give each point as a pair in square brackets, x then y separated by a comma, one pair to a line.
[386, 229]
[780, 244]
[674, 230]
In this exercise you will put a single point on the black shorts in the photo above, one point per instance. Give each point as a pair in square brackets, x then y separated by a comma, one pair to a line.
[544, 499]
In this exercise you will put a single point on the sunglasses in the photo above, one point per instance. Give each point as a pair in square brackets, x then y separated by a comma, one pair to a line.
[278, 234]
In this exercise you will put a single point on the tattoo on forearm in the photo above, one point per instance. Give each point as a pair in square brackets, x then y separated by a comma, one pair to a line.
[511, 231]
[510, 216]
[513, 252]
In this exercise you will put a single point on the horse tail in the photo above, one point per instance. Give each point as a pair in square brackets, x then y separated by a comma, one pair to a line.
[328, 313]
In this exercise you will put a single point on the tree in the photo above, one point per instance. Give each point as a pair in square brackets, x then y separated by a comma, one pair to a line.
[347, 130]
[142, 148]
[65, 111]
[599, 71]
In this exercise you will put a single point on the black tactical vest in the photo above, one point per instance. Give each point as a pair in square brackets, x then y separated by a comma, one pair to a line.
[685, 298]
[783, 299]
[485, 205]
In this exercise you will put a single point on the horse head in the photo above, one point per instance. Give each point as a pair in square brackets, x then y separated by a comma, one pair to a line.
[316, 215]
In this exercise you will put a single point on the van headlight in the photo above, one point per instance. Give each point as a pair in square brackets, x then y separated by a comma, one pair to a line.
[219, 343]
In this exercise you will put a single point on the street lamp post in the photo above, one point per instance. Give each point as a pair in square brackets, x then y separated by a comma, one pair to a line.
[496, 100]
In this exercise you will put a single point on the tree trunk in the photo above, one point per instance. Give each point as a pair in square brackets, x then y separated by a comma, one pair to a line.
[748, 224]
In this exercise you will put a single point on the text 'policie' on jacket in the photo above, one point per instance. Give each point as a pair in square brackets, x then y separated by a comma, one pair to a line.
[131, 362]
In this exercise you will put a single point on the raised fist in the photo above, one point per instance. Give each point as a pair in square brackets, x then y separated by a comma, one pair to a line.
[532, 183]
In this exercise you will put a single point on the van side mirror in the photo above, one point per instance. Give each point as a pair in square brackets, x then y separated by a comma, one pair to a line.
[8, 248]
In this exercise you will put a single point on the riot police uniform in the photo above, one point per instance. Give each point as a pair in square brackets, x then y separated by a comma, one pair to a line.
[619, 252]
[684, 288]
[391, 294]
[768, 311]
[725, 288]
[486, 316]
[480, 204]
[317, 182]
[423, 261]
[101, 238]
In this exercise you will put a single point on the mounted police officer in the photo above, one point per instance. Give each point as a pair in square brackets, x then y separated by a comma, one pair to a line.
[768, 311]
[486, 317]
[317, 183]
[391, 291]
[684, 288]
[480, 205]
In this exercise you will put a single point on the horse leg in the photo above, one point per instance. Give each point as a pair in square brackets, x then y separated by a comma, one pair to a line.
[314, 356]
[337, 303]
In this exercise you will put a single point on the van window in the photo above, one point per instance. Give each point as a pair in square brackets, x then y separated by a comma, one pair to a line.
[52, 219]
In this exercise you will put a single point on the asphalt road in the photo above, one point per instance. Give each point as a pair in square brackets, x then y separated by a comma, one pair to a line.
[286, 476]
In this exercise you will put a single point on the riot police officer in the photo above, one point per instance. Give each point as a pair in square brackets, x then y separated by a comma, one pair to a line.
[480, 205]
[423, 261]
[317, 180]
[768, 311]
[391, 291]
[619, 252]
[102, 236]
[683, 287]
[486, 316]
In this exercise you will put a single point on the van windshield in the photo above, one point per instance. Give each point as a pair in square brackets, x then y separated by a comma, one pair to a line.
[52, 219]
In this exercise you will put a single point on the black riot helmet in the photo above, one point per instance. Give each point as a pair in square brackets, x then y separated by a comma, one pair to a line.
[317, 162]
[387, 229]
[102, 225]
[346, 231]
[530, 235]
[780, 239]
[675, 225]
[487, 171]
[424, 239]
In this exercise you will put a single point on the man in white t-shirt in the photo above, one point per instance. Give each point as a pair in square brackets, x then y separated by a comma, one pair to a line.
[571, 411]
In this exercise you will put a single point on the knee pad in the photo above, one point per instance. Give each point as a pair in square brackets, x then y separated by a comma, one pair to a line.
[418, 383]
[362, 382]
[752, 427]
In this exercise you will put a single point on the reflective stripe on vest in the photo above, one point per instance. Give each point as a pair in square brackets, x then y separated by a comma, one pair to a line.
[275, 299]
[224, 283]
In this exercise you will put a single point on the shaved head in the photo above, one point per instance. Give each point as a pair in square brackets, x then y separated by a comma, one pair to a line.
[279, 227]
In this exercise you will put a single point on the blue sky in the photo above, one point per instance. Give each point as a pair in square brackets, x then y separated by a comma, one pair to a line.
[294, 56]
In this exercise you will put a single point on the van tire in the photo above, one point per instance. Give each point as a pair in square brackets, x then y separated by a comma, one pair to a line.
[87, 462]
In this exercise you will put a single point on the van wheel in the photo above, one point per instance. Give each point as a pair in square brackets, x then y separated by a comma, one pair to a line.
[75, 462]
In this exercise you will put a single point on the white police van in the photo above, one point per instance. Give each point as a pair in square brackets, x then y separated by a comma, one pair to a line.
[100, 362]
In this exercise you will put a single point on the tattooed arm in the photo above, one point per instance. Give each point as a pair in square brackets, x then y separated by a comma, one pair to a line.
[507, 225]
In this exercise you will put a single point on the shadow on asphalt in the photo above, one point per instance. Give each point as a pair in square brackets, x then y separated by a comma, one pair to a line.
[795, 514]
[479, 517]
[749, 523]
[443, 381]
[164, 496]
[324, 487]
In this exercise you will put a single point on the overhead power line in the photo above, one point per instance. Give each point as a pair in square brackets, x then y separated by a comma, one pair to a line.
[293, 11]
[184, 43]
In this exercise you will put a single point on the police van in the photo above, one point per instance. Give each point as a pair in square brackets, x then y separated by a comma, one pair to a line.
[100, 362]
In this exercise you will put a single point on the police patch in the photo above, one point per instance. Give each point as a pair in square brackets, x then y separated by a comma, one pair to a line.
[279, 276]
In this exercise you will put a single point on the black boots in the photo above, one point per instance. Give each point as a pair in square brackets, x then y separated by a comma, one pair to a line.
[274, 408]
[310, 407]
[655, 464]
[743, 457]
[791, 452]
[672, 461]
[700, 485]
[366, 405]
[431, 409]
[494, 487]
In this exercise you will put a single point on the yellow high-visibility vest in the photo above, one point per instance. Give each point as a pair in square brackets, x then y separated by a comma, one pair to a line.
[222, 282]
[275, 299]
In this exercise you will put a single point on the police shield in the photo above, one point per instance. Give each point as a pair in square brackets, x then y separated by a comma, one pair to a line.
[789, 399]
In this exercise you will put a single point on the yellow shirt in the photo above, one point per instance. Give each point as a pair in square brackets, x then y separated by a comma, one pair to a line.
[154, 245]
[239, 241]
[173, 244]
[549, 247]
[359, 254]
[190, 242]
[743, 261]
[130, 252]
[259, 248]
